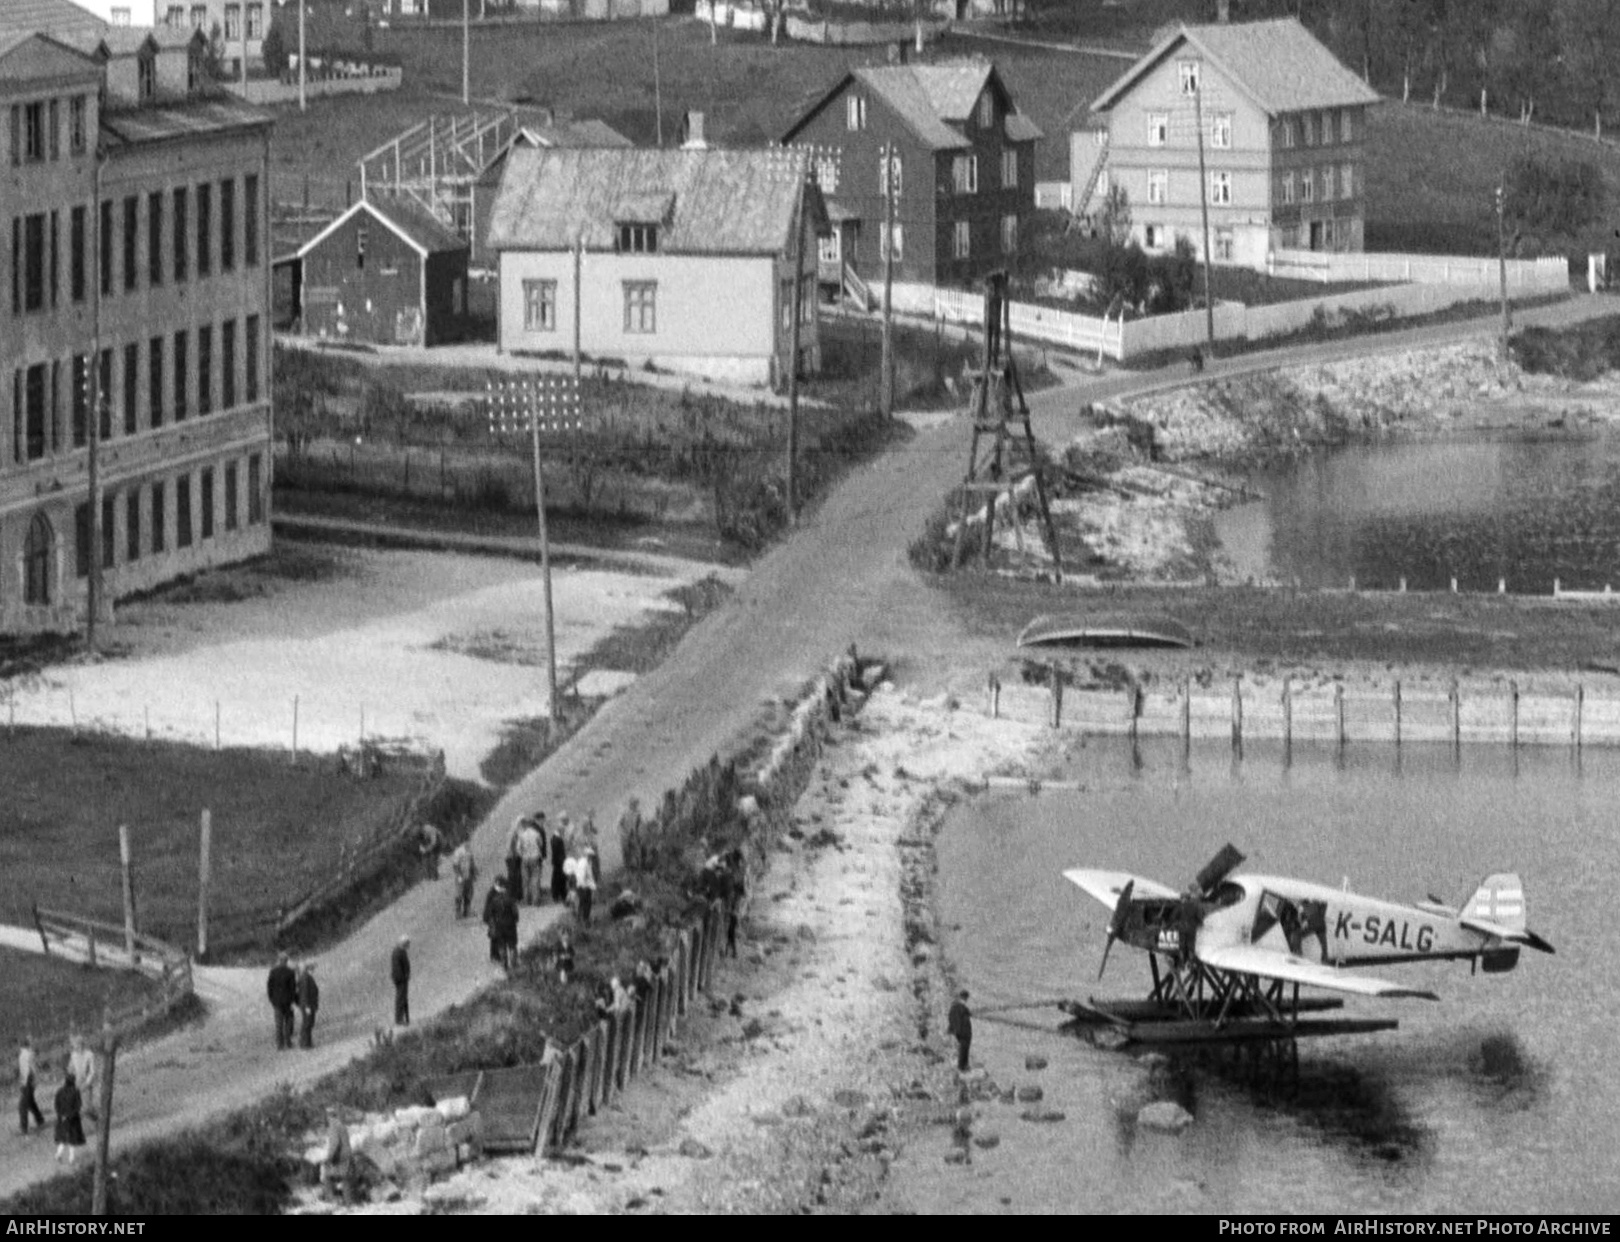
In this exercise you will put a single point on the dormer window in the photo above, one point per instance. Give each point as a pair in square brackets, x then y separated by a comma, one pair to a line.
[987, 110]
[146, 73]
[1189, 76]
[855, 113]
[638, 239]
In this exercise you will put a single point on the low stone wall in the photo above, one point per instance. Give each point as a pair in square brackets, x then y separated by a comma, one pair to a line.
[410, 1144]
[272, 91]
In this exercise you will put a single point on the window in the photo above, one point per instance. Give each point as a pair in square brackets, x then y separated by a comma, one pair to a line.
[227, 225]
[361, 237]
[34, 262]
[855, 112]
[1307, 186]
[205, 210]
[1220, 189]
[961, 239]
[1220, 131]
[1159, 186]
[1346, 131]
[81, 540]
[892, 167]
[109, 532]
[965, 174]
[159, 531]
[233, 22]
[255, 21]
[205, 502]
[33, 132]
[1188, 70]
[38, 561]
[250, 219]
[1158, 128]
[146, 77]
[132, 207]
[1327, 183]
[81, 399]
[896, 236]
[227, 364]
[154, 381]
[827, 249]
[1327, 128]
[1288, 133]
[1288, 188]
[1009, 169]
[641, 306]
[120, 15]
[1346, 182]
[104, 389]
[78, 124]
[55, 115]
[987, 110]
[56, 248]
[132, 381]
[255, 490]
[154, 239]
[205, 369]
[35, 403]
[199, 16]
[180, 385]
[230, 496]
[1224, 245]
[132, 525]
[16, 264]
[540, 305]
[1308, 121]
[182, 511]
[77, 225]
[250, 347]
[1153, 236]
[1009, 233]
[826, 170]
[179, 238]
[638, 239]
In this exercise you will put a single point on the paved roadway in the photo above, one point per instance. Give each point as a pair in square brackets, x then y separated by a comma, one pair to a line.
[842, 579]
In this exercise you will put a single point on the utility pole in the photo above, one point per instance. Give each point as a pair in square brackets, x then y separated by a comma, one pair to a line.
[243, 74]
[793, 362]
[466, 55]
[545, 568]
[1203, 207]
[886, 389]
[92, 416]
[579, 263]
[658, 87]
[109, 1062]
[1501, 265]
[303, 103]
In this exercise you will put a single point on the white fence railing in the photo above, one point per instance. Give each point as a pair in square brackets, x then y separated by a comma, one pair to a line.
[1435, 283]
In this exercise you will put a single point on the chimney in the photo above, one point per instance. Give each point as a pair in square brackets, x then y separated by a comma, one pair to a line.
[1223, 11]
[695, 141]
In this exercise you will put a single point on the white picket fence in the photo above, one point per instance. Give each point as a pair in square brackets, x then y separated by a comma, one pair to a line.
[1427, 283]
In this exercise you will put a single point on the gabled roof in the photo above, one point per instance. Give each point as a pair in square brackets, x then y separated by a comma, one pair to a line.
[931, 99]
[51, 56]
[127, 40]
[711, 201]
[61, 18]
[587, 133]
[415, 227]
[1278, 64]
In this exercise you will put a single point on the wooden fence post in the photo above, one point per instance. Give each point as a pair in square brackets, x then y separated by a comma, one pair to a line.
[610, 1055]
[993, 695]
[683, 955]
[204, 866]
[1057, 698]
[1288, 711]
[593, 1082]
[580, 1055]
[1237, 712]
[1338, 707]
[638, 1029]
[1580, 701]
[655, 1053]
[1513, 723]
[1456, 715]
[621, 1059]
[1186, 710]
[1397, 711]
[129, 893]
[1135, 705]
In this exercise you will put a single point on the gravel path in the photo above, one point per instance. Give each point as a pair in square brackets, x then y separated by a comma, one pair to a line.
[842, 579]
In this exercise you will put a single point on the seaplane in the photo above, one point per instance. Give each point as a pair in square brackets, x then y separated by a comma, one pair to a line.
[1230, 952]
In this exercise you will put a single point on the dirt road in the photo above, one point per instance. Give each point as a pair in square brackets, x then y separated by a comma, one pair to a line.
[842, 579]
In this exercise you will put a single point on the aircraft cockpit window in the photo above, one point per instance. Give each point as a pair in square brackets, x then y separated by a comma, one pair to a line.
[1227, 894]
[1299, 927]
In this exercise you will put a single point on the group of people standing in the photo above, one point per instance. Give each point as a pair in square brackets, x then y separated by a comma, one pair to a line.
[576, 871]
[293, 989]
[79, 1078]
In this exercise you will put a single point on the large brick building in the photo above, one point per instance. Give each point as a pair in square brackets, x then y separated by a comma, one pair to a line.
[963, 167]
[135, 313]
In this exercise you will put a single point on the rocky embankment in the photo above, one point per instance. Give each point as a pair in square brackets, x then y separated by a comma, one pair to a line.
[1150, 475]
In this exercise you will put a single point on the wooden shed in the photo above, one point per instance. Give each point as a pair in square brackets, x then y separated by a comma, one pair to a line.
[387, 273]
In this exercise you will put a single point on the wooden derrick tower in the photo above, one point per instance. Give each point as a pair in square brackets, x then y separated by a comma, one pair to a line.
[1002, 453]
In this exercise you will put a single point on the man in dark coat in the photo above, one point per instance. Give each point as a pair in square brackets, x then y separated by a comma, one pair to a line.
[282, 987]
[309, 1000]
[69, 1120]
[504, 930]
[559, 855]
[399, 970]
[960, 1024]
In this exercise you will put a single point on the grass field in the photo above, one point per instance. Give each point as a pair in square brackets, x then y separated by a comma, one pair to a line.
[277, 828]
[47, 997]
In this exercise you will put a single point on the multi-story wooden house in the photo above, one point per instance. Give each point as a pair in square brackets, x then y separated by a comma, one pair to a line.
[963, 168]
[676, 259]
[1284, 142]
[133, 311]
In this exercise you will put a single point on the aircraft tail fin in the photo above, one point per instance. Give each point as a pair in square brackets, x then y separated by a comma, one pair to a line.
[1499, 899]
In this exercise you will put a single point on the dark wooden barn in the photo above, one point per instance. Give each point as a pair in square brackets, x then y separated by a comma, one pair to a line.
[386, 273]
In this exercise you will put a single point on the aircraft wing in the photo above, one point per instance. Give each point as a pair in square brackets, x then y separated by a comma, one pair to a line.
[1106, 886]
[1270, 964]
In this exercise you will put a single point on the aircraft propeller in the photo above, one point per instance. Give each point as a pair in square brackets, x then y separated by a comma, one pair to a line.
[1116, 923]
